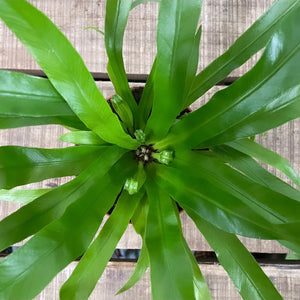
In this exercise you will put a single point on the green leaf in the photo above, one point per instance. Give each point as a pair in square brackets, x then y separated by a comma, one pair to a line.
[265, 97]
[138, 221]
[200, 285]
[228, 199]
[123, 110]
[292, 256]
[25, 98]
[192, 66]
[22, 165]
[117, 12]
[29, 96]
[140, 215]
[65, 69]
[254, 39]
[252, 169]
[146, 101]
[177, 25]
[170, 267]
[22, 195]
[22, 274]
[82, 138]
[32, 217]
[267, 156]
[244, 271]
[91, 266]
[139, 270]
[95, 28]
[15, 122]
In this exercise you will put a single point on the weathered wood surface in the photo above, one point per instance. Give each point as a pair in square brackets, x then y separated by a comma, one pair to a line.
[223, 21]
[285, 278]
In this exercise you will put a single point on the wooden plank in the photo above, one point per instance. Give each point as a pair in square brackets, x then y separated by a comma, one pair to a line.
[286, 278]
[286, 141]
[223, 21]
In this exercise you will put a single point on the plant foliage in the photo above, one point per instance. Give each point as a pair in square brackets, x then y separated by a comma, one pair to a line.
[147, 156]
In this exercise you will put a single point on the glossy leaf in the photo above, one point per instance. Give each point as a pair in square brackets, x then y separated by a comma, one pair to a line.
[22, 165]
[15, 122]
[26, 98]
[34, 216]
[140, 215]
[138, 221]
[242, 268]
[200, 285]
[192, 66]
[267, 156]
[177, 25]
[169, 278]
[251, 168]
[265, 97]
[254, 39]
[117, 12]
[228, 199]
[95, 259]
[82, 138]
[146, 101]
[62, 241]
[22, 195]
[138, 272]
[65, 69]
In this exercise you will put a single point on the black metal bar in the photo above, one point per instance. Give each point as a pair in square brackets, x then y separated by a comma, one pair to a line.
[205, 257]
[100, 76]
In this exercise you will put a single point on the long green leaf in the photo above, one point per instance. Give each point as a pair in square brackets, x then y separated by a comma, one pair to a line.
[146, 101]
[251, 168]
[244, 271]
[23, 273]
[117, 12]
[22, 165]
[65, 69]
[15, 122]
[192, 66]
[267, 156]
[228, 199]
[254, 39]
[37, 214]
[139, 217]
[82, 138]
[91, 266]
[29, 98]
[265, 97]
[200, 285]
[138, 272]
[138, 220]
[177, 25]
[22, 195]
[26, 96]
[169, 278]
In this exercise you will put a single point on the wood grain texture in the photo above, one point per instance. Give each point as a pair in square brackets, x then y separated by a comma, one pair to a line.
[223, 22]
[286, 279]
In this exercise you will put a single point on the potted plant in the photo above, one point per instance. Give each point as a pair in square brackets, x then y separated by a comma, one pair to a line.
[204, 161]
